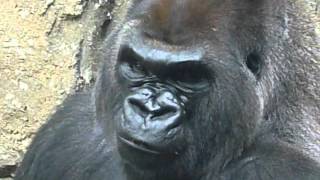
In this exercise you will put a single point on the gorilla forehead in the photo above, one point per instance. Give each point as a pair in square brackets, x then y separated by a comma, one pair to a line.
[215, 22]
[173, 18]
[182, 10]
[175, 13]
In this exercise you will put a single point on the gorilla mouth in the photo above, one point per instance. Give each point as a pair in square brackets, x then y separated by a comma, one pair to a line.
[139, 145]
[140, 154]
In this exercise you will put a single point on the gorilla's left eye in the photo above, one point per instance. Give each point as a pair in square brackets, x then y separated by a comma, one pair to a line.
[191, 77]
[188, 76]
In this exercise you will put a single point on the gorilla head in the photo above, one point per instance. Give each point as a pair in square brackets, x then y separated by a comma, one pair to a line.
[189, 82]
[193, 89]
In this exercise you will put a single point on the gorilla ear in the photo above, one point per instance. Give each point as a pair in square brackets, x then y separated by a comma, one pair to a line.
[254, 63]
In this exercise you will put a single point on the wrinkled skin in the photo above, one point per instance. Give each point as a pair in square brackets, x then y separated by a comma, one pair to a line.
[192, 90]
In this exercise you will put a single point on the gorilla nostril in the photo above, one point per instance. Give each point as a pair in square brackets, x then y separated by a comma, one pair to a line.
[165, 111]
[138, 106]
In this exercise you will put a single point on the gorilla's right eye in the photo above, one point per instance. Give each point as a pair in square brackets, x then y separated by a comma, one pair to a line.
[132, 71]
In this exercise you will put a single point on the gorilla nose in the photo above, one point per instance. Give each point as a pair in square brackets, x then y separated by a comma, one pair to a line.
[157, 107]
[157, 111]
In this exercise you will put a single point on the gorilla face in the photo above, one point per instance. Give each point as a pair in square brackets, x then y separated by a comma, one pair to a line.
[182, 83]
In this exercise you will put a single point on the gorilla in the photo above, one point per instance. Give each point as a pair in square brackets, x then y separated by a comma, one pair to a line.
[192, 90]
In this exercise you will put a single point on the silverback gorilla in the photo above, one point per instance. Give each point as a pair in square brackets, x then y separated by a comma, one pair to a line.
[193, 90]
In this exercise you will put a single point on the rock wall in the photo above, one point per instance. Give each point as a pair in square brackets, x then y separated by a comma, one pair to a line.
[46, 52]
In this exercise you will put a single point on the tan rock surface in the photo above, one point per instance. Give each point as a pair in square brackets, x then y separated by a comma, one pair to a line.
[40, 42]
[35, 73]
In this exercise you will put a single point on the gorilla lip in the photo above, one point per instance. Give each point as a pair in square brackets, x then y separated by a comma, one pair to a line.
[138, 145]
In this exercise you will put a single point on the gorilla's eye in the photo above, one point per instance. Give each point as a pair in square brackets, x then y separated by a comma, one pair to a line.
[137, 67]
[254, 63]
[132, 70]
[190, 77]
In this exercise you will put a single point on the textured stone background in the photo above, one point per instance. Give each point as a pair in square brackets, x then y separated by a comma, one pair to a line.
[46, 52]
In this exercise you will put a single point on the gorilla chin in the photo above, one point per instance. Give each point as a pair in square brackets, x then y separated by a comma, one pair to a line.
[142, 156]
